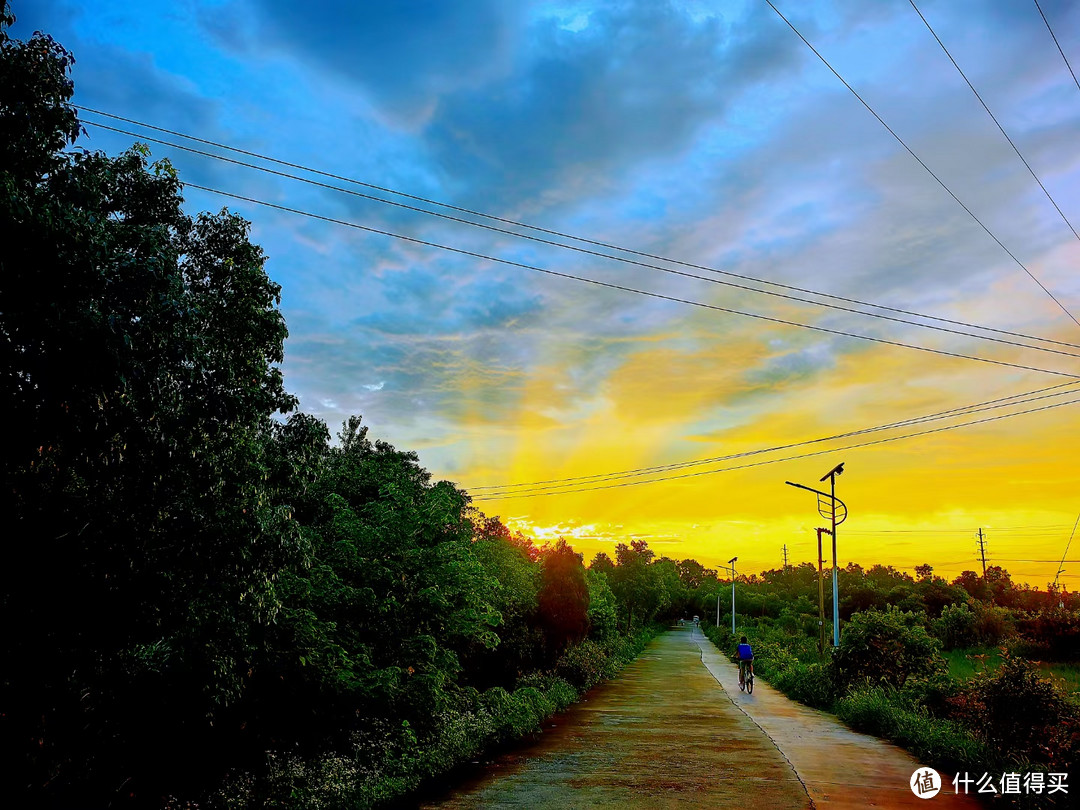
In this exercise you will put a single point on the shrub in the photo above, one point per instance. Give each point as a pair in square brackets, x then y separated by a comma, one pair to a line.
[807, 683]
[956, 626]
[883, 712]
[1017, 711]
[885, 647]
[583, 664]
[1058, 630]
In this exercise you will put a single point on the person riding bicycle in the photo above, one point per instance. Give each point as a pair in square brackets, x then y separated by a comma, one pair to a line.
[746, 659]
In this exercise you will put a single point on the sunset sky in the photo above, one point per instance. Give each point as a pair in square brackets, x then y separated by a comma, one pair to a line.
[703, 132]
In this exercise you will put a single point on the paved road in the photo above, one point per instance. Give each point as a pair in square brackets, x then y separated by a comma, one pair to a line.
[674, 731]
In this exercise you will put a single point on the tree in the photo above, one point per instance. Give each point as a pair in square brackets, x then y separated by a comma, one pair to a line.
[602, 563]
[693, 574]
[637, 587]
[138, 369]
[563, 598]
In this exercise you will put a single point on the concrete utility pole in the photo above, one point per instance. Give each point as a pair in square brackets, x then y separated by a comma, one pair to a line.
[820, 593]
[982, 550]
[731, 562]
[827, 508]
[831, 475]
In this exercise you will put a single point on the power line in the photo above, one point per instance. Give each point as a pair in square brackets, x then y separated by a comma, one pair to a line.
[549, 231]
[1067, 546]
[503, 497]
[1063, 56]
[609, 285]
[920, 161]
[1015, 399]
[585, 250]
[994, 119]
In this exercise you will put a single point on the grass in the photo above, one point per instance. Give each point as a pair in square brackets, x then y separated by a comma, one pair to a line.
[963, 664]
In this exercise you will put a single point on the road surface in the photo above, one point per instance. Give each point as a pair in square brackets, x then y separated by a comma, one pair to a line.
[673, 730]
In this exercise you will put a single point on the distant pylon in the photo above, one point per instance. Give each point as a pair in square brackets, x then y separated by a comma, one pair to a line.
[785, 555]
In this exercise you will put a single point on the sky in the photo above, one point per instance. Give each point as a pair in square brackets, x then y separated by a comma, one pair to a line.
[705, 133]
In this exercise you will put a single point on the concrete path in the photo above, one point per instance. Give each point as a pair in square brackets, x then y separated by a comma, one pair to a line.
[672, 731]
[839, 767]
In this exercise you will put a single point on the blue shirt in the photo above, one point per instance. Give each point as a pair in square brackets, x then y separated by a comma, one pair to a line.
[745, 653]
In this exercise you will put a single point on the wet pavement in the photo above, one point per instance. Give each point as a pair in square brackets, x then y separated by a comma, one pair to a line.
[673, 730]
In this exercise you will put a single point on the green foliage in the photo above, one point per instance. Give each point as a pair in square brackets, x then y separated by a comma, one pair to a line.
[563, 597]
[809, 683]
[883, 712]
[1015, 710]
[1058, 631]
[637, 584]
[885, 647]
[971, 624]
[603, 611]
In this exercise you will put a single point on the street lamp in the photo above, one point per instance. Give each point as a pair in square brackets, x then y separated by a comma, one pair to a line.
[731, 562]
[828, 508]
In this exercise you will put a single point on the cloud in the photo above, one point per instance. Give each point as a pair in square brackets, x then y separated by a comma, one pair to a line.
[403, 55]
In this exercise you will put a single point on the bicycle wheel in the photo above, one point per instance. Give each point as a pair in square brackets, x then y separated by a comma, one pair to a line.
[749, 683]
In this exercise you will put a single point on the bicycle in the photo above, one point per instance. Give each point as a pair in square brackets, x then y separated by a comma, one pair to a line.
[746, 683]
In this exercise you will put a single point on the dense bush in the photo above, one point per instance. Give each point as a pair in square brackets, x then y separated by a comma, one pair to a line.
[885, 647]
[883, 712]
[387, 761]
[971, 624]
[811, 683]
[1017, 711]
[1057, 630]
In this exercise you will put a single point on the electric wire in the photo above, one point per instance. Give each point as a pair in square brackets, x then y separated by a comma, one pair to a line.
[1014, 399]
[1067, 546]
[920, 161]
[664, 479]
[1052, 36]
[624, 288]
[993, 118]
[588, 251]
[517, 223]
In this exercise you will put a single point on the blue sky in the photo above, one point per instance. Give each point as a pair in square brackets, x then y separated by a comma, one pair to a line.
[702, 131]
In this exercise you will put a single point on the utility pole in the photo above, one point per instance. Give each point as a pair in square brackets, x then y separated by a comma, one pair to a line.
[827, 505]
[785, 556]
[731, 562]
[831, 475]
[982, 550]
[820, 593]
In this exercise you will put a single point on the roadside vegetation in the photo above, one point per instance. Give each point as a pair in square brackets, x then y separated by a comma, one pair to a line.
[976, 675]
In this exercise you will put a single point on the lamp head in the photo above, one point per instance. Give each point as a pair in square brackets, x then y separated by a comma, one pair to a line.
[837, 470]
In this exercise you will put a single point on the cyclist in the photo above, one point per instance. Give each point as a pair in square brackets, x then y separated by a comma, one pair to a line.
[746, 659]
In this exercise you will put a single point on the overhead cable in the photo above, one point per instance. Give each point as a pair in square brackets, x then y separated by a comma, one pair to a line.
[624, 288]
[1014, 399]
[664, 479]
[920, 161]
[993, 118]
[527, 226]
